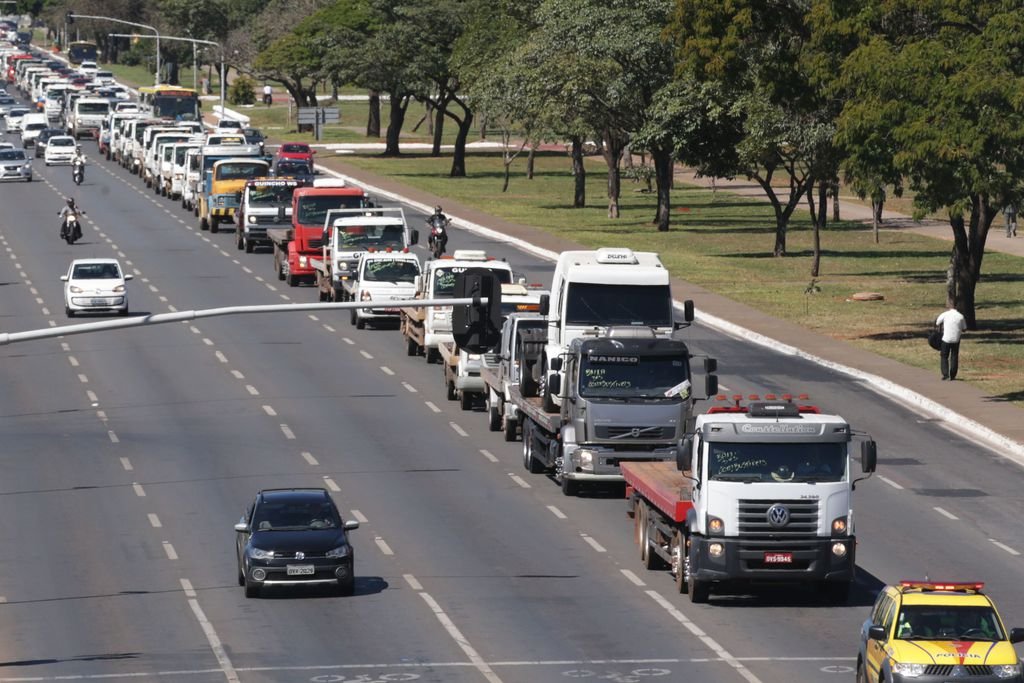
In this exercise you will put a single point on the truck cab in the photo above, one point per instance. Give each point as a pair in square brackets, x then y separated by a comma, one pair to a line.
[593, 290]
[383, 276]
[88, 115]
[772, 489]
[348, 235]
[266, 202]
[225, 169]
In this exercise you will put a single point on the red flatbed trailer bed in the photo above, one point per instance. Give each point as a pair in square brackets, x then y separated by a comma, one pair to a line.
[662, 485]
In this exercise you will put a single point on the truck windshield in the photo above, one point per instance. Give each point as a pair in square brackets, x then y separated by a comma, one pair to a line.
[625, 376]
[610, 304]
[240, 170]
[377, 236]
[271, 195]
[390, 270]
[444, 280]
[771, 462]
[93, 108]
[313, 209]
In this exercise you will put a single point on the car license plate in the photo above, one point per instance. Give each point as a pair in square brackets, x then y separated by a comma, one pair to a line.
[98, 302]
[301, 570]
[778, 558]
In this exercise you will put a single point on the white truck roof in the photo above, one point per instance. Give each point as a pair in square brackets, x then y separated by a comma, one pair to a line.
[772, 424]
[621, 266]
[367, 221]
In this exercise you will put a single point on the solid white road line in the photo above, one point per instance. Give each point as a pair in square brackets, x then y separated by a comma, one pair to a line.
[945, 513]
[186, 586]
[413, 583]
[461, 640]
[215, 643]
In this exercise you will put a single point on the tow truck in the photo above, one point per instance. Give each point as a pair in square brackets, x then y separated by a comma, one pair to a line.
[760, 492]
[265, 202]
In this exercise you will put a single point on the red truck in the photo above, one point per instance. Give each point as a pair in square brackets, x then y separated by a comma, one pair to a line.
[295, 246]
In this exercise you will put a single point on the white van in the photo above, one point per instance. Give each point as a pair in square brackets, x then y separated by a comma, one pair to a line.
[88, 116]
[31, 126]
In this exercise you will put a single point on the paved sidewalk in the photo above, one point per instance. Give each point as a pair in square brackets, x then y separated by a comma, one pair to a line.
[1000, 417]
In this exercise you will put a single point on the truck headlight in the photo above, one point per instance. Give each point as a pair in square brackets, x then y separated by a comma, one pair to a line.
[716, 550]
[339, 552]
[839, 526]
[303, 261]
[907, 669]
[365, 296]
[260, 554]
[715, 526]
[439, 315]
[252, 219]
[1006, 670]
[585, 458]
[839, 549]
[342, 265]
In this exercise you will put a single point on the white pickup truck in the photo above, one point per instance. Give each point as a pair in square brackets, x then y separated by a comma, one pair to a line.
[383, 276]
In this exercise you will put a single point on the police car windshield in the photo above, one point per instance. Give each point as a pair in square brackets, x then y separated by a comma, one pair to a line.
[628, 376]
[777, 462]
[948, 622]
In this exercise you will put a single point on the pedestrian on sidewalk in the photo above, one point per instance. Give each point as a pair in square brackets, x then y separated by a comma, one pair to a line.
[953, 326]
[1010, 212]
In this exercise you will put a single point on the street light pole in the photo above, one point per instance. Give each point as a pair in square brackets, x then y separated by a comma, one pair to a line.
[128, 23]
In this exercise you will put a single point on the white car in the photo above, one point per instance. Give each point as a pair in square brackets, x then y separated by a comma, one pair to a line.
[95, 284]
[229, 126]
[60, 149]
[88, 69]
[104, 78]
[14, 116]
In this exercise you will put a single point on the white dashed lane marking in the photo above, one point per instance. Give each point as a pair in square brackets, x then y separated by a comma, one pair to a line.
[308, 457]
[519, 480]
[487, 454]
[252, 390]
[126, 464]
[139, 491]
[457, 429]
[433, 407]
[365, 354]
[287, 431]
[359, 517]
[220, 356]
[331, 484]
[269, 410]
[1003, 546]
[593, 544]
[154, 521]
[410, 388]
[172, 554]
[945, 513]
[556, 512]
[890, 482]
[386, 370]
[633, 578]
[384, 547]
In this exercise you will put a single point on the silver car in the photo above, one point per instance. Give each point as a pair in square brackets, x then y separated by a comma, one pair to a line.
[15, 165]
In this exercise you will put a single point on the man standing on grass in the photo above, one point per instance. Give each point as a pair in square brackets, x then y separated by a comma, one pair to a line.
[268, 94]
[953, 326]
[1010, 211]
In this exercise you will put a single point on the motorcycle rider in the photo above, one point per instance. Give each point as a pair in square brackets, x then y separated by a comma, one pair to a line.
[68, 210]
[78, 163]
[438, 223]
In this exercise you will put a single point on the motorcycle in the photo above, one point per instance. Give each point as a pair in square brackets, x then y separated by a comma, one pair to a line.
[78, 171]
[71, 229]
[438, 239]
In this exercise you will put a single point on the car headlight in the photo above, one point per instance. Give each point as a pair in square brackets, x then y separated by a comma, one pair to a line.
[908, 670]
[75, 289]
[119, 289]
[260, 554]
[1006, 670]
[27, 167]
[340, 551]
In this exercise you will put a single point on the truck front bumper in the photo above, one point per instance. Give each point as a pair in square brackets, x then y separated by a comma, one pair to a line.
[765, 560]
[472, 384]
[593, 463]
[432, 339]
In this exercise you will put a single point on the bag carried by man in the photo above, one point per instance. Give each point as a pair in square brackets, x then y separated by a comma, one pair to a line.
[935, 338]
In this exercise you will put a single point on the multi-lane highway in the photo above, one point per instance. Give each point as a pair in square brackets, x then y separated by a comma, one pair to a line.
[128, 456]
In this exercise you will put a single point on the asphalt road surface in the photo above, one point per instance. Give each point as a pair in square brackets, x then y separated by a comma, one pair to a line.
[128, 456]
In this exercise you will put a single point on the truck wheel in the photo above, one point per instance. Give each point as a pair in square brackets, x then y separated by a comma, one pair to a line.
[509, 428]
[548, 389]
[278, 265]
[291, 280]
[214, 224]
[432, 355]
[239, 241]
[249, 246]
[450, 391]
[570, 487]
[698, 591]
[530, 462]
[861, 676]
[360, 322]
[411, 347]
[650, 559]
[352, 316]
[466, 400]
[527, 385]
[203, 225]
[493, 415]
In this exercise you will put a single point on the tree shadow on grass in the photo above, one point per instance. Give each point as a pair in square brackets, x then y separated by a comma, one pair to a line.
[826, 253]
[922, 277]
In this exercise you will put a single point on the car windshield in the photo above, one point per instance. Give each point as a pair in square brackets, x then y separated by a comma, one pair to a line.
[390, 270]
[293, 168]
[948, 622]
[240, 170]
[12, 155]
[295, 516]
[313, 209]
[612, 304]
[295, 149]
[606, 375]
[7, 100]
[444, 280]
[96, 271]
[773, 462]
[35, 126]
[60, 142]
[271, 195]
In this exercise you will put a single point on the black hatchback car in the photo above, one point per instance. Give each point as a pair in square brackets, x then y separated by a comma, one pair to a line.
[294, 537]
[44, 137]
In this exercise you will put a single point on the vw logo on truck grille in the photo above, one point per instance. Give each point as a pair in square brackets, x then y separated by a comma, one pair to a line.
[778, 515]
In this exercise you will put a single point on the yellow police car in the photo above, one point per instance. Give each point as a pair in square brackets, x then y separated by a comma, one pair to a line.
[933, 632]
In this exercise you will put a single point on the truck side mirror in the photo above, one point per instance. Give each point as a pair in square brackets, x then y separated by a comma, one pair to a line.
[710, 385]
[710, 365]
[545, 304]
[688, 310]
[876, 632]
[556, 364]
[868, 456]
[414, 237]
[417, 282]
[684, 456]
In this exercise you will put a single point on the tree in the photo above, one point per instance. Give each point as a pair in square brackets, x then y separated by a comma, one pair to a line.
[293, 60]
[943, 80]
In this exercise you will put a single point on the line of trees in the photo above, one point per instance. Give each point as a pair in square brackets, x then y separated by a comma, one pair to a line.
[922, 95]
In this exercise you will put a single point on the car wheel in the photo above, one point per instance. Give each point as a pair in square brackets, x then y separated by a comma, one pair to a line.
[252, 589]
[347, 587]
[861, 676]
[69, 312]
[124, 312]
[241, 576]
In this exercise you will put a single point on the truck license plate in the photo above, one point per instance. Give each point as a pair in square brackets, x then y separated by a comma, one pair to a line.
[300, 570]
[778, 558]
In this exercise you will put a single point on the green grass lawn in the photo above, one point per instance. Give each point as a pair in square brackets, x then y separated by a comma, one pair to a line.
[724, 243]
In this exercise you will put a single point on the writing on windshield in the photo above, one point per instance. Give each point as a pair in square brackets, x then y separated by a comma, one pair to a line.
[271, 196]
[390, 270]
[444, 280]
[610, 304]
[313, 209]
[768, 462]
[623, 375]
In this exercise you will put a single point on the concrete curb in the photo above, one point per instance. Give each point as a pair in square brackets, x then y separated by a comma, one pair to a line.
[1003, 445]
